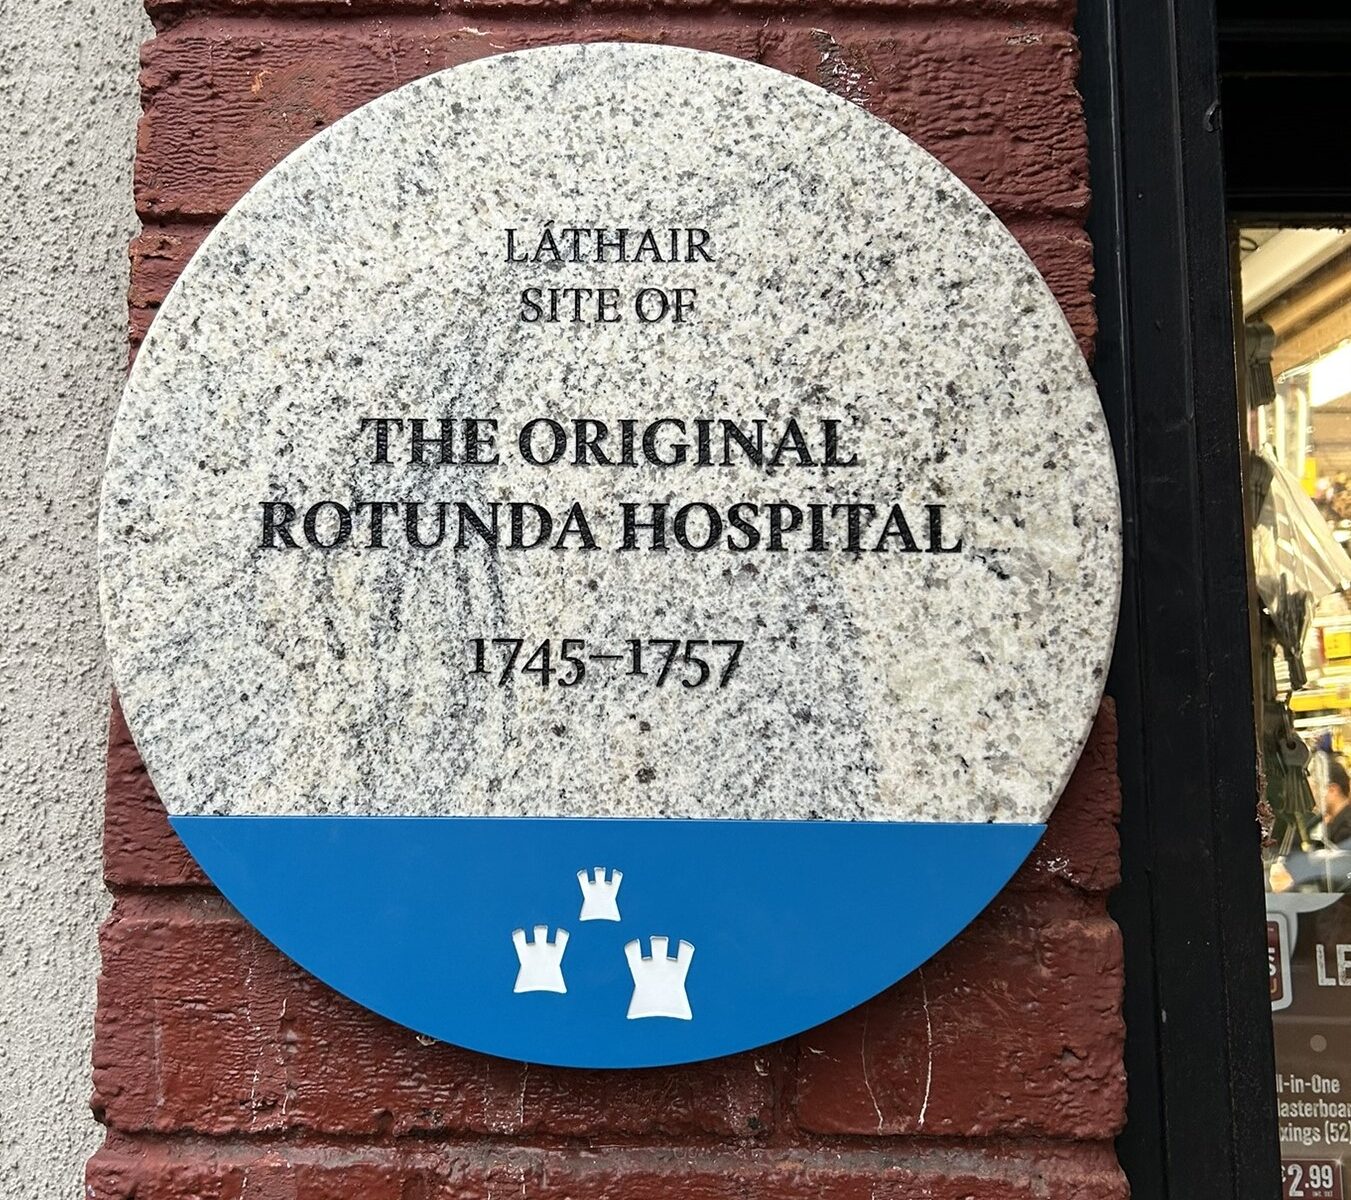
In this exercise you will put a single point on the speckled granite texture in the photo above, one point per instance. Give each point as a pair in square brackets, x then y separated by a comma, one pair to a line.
[852, 278]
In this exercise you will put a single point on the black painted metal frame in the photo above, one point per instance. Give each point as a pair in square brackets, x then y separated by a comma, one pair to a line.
[1201, 1119]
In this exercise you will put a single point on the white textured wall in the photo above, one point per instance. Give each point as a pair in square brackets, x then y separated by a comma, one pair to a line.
[69, 105]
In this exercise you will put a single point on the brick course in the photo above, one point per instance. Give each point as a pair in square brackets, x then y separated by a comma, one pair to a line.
[226, 98]
[223, 1071]
[1006, 1171]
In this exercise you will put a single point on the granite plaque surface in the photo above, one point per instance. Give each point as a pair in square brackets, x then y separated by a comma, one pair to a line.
[610, 554]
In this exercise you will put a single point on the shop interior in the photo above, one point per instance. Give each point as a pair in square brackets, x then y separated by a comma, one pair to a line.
[1296, 289]
[1295, 383]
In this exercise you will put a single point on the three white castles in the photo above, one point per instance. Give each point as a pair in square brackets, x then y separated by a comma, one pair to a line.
[658, 978]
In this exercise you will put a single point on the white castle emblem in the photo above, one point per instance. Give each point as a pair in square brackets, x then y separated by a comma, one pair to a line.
[541, 960]
[659, 982]
[599, 894]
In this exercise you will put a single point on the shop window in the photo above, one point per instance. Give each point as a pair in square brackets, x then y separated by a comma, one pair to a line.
[1296, 297]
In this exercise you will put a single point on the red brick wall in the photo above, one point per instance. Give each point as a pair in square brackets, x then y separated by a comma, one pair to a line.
[224, 1072]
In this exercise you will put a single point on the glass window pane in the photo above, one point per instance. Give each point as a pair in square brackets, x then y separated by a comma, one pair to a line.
[1296, 288]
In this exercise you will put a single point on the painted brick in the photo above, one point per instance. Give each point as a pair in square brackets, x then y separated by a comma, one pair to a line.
[1063, 253]
[224, 1072]
[158, 256]
[1014, 1029]
[168, 12]
[225, 99]
[1080, 846]
[204, 1027]
[899, 1172]
[245, 1042]
[139, 848]
[994, 101]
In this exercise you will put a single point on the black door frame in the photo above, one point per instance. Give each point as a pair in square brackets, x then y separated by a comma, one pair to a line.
[1202, 1113]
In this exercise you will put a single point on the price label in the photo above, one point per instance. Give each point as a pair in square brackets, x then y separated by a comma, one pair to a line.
[1336, 643]
[1311, 1179]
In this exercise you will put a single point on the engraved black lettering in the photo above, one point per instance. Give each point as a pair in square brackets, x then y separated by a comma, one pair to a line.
[277, 516]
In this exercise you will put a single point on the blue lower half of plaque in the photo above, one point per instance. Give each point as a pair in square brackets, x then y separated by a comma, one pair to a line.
[606, 942]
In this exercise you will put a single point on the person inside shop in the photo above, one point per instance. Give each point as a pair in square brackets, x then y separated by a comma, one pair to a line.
[1326, 865]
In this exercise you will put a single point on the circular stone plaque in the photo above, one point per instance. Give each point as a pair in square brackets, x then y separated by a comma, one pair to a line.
[609, 554]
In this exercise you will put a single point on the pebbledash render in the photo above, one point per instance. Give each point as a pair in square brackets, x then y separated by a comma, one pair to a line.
[994, 1070]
